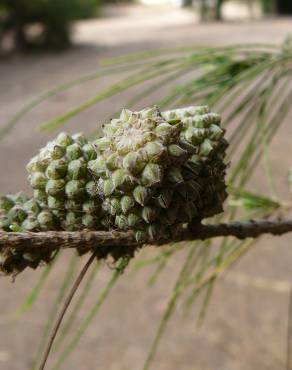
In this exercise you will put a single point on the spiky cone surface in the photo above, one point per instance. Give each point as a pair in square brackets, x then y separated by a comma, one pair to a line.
[201, 129]
[19, 213]
[149, 179]
[62, 183]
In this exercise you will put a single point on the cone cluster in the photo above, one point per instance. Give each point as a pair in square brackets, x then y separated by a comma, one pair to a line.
[201, 129]
[62, 183]
[20, 213]
[154, 169]
[150, 172]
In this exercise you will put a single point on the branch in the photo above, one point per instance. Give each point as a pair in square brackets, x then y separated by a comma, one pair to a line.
[36, 247]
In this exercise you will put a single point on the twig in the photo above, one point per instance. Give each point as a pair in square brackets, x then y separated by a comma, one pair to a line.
[64, 309]
[21, 250]
[108, 242]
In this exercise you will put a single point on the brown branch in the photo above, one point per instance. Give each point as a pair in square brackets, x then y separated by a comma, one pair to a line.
[36, 247]
[244, 230]
[103, 241]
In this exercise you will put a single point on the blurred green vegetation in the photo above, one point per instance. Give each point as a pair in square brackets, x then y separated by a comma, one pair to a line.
[53, 16]
[266, 6]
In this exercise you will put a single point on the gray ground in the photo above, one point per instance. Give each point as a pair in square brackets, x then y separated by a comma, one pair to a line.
[247, 319]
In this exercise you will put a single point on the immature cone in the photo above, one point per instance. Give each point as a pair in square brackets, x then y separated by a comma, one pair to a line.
[149, 176]
[63, 184]
[19, 213]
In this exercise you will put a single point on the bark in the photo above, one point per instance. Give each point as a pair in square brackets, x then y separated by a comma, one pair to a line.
[108, 242]
[21, 250]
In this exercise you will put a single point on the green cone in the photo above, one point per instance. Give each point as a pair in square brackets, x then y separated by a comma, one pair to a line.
[18, 213]
[62, 181]
[149, 172]
[158, 170]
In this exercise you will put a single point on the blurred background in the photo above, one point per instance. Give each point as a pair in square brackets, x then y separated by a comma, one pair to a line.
[46, 43]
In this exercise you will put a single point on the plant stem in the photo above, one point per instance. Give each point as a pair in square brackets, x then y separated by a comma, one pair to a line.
[63, 311]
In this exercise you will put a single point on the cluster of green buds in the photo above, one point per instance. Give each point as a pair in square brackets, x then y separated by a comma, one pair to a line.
[202, 130]
[19, 213]
[151, 171]
[63, 184]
